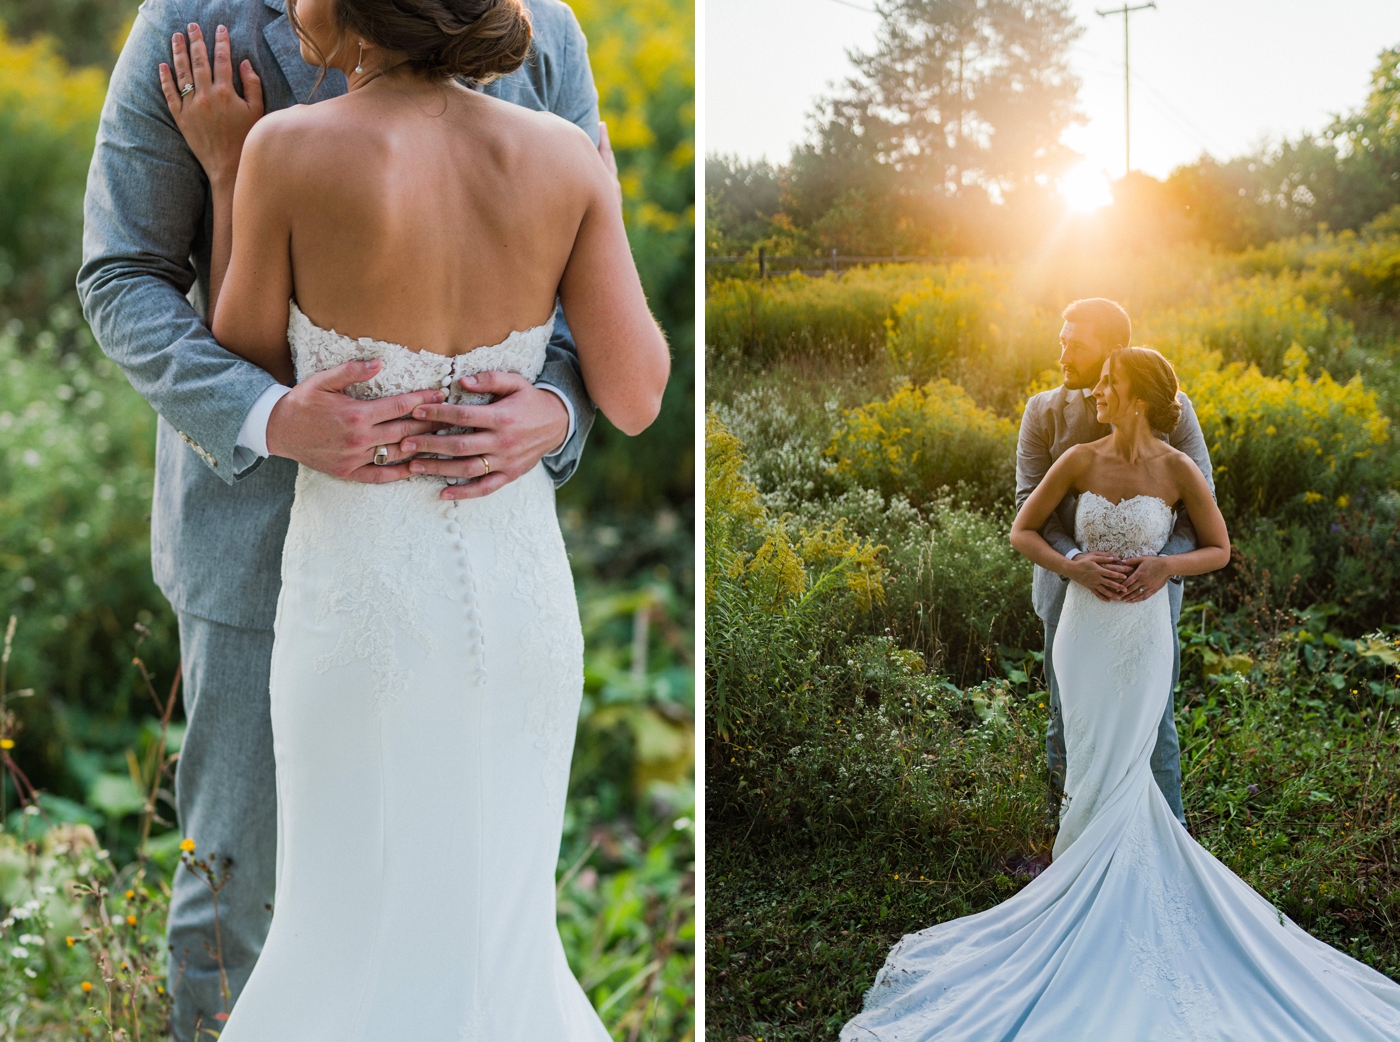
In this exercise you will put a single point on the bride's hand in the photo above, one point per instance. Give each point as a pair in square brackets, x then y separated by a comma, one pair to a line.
[213, 118]
[1102, 573]
[1148, 575]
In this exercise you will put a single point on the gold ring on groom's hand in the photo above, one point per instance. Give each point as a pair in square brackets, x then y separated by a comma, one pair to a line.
[381, 455]
[485, 463]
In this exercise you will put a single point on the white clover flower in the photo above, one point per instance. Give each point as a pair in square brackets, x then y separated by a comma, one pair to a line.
[19, 952]
[29, 938]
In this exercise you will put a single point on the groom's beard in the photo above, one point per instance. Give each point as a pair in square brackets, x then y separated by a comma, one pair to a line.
[1073, 381]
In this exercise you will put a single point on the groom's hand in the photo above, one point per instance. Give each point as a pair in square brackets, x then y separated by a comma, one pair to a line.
[319, 425]
[1102, 573]
[512, 434]
[1148, 575]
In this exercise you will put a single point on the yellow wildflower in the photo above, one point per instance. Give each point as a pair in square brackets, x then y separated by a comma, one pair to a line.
[87, 985]
[131, 920]
[7, 743]
[69, 940]
[187, 845]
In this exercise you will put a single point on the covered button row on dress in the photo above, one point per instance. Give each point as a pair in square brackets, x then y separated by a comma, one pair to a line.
[476, 635]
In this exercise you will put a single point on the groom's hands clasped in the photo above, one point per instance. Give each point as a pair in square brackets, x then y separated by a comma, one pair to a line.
[318, 424]
[510, 435]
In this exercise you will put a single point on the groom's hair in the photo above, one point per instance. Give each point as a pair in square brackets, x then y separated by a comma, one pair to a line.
[1105, 317]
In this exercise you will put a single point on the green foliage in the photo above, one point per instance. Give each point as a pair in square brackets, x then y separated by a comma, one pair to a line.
[1258, 320]
[764, 321]
[642, 55]
[923, 439]
[77, 448]
[48, 116]
[1289, 748]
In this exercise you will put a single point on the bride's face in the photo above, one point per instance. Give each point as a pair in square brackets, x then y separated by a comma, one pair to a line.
[322, 40]
[1112, 395]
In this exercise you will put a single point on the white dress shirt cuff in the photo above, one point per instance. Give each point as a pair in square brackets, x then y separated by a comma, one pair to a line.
[252, 436]
[568, 406]
[1073, 554]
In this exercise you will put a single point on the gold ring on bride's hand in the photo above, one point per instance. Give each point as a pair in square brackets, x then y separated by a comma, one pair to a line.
[187, 90]
[381, 455]
[485, 463]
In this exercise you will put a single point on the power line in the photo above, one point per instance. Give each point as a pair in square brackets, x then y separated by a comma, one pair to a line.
[1125, 11]
[855, 7]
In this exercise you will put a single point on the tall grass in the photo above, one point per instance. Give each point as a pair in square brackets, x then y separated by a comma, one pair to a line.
[877, 768]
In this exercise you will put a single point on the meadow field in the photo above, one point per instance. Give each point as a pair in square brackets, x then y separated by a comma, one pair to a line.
[85, 868]
[875, 707]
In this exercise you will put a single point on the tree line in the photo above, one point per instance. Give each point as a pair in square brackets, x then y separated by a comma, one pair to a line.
[946, 139]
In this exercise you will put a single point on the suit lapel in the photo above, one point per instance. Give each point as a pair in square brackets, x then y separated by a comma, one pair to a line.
[286, 48]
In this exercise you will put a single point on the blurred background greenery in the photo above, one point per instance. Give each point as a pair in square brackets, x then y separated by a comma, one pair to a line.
[76, 469]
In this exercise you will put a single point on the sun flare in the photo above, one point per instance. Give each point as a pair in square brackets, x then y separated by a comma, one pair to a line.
[1085, 188]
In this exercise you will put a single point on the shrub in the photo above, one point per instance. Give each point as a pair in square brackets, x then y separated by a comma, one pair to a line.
[967, 324]
[1257, 321]
[923, 439]
[795, 315]
[1282, 444]
[957, 592]
[48, 116]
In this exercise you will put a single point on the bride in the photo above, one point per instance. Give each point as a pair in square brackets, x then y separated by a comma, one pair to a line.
[1135, 933]
[427, 669]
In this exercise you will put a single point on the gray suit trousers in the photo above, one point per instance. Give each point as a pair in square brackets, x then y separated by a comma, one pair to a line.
[226, 794]
[1166, 755]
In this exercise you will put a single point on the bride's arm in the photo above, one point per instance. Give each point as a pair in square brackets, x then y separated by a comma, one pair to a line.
[250, 278]
[249, 315]
[1100, 572]
[621, 351]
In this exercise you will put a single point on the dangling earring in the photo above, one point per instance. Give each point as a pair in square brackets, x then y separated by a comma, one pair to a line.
[360, 65]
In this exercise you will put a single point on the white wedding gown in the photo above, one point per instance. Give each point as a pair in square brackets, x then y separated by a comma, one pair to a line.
[1135, 933]
[426, 680]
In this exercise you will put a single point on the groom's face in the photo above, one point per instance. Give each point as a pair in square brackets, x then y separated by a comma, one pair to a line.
[1082, 355]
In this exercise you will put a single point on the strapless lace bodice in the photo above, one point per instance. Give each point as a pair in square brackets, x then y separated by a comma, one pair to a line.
[1136, 527]
[315, 349]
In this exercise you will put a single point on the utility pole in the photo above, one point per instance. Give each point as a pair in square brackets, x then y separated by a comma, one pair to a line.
[1125, 11]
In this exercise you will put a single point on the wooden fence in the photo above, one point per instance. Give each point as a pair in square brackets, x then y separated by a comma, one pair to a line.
[833, 261]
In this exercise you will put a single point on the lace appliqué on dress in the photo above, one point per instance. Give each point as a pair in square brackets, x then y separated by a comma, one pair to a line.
[1136, 527]
[1158, 962]
[531, 557]
[404, 520]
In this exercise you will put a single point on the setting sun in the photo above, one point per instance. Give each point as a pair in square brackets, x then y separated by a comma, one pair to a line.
[1085, 188]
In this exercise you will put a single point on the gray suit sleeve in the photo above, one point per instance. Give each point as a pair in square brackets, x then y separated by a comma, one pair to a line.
[1188, 438]
[1032, 463]
[572, 95]
[143, 212]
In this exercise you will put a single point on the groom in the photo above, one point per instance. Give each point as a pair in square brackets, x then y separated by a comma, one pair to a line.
[230, 438]
[1054, 421]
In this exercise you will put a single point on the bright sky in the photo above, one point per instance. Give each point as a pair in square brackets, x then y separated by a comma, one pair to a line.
[1208, 75]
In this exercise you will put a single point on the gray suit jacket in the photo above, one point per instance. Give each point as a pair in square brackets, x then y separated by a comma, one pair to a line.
[220, 515]
[1053, 422]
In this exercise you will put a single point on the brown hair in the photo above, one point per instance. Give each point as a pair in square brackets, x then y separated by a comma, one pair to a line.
[473, 39]
[1152, 379]
[1105, 317]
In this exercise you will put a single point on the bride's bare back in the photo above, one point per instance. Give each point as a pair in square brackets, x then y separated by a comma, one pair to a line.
[430, 215]
[424, 214]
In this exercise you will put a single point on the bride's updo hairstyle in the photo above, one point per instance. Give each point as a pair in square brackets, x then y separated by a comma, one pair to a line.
[477, 40]
[1152, 379]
